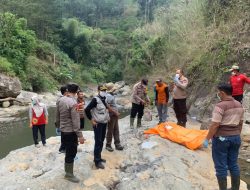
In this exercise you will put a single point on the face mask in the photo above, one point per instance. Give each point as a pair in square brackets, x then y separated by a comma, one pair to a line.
[218, 96]
[233, 73]
[177, 75]
[102, 93]
[33, 102]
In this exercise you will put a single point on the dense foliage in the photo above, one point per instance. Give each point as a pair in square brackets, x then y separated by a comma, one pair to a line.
[49, 42]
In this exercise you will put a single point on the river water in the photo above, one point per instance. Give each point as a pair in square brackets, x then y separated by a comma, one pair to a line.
[17, 134]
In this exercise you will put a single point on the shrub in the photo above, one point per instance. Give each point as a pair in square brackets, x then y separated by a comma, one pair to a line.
[6, 67]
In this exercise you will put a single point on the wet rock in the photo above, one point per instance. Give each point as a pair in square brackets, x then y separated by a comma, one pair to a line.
[9, 86]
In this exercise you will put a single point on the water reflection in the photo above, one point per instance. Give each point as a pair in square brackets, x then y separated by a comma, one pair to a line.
[15, 135]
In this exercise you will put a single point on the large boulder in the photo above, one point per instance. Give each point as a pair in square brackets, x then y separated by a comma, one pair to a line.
[9, 86]
[120, 84]
[202, 108]
[25, 96]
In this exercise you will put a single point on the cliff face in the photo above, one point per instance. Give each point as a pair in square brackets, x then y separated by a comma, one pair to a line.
[166, 165]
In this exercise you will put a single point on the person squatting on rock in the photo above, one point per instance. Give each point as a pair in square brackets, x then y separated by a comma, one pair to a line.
[139, 100]
[69, 121]
[227, 121]
[180, 97]
[113, 126]
[81, 103]
[98, 112]
[38, 115]
[64, 92]
[161, 99]
[238, 80]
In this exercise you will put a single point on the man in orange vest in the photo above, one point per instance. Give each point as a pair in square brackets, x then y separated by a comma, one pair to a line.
[161, 99]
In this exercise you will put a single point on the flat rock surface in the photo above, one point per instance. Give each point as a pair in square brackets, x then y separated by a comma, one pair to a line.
[164, 166]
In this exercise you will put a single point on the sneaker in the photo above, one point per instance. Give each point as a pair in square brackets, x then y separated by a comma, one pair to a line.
[109, 148]
[99, 165]
[119, 147]
[103, 160]
[37, 145]
[44, 145]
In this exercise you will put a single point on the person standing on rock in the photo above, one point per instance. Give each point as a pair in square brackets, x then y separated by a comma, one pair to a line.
[238, 80]
[227, 121]
[38, 115]
[98, 112]
[161, 99]
[64, 92]
[81, 103]
[69, 121]
[113, 126]
[180, 97]
[139, 100]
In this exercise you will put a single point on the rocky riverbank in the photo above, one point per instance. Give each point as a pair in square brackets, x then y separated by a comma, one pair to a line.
[165, 166]
[13, 112]
[20, 106]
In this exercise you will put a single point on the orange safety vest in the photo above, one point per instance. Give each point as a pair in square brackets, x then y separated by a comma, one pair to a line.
[161, 93]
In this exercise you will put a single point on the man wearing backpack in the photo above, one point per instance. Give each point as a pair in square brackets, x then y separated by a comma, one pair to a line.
[98, 112]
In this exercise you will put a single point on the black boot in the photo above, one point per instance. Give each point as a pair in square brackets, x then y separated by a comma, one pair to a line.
[222, 181]
[139, 122]
[69, 173]
[109, 148]
[235, 181]
[132, 123]
[103, 160]
[99, 165]
[119, 147]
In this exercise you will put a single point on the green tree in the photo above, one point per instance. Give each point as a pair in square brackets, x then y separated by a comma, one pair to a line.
[16, 42]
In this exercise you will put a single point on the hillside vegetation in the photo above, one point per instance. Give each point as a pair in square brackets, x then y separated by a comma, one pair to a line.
[49, 42]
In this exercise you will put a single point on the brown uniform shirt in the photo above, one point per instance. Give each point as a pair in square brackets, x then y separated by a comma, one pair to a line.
[179, 91]
[139, 93]
[68, 117]
[228, 113]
